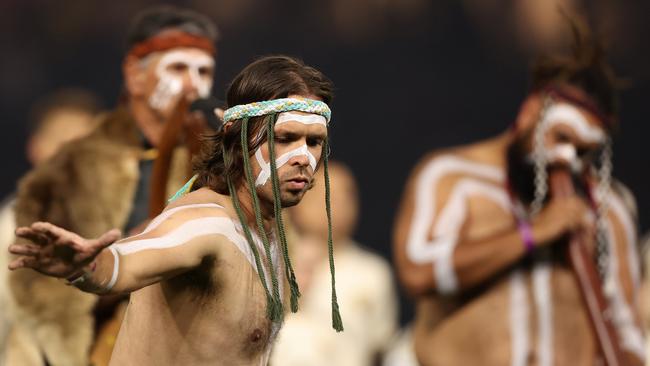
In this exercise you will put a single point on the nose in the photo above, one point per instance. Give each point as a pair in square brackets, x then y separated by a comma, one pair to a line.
[301, 160]
[190, 86]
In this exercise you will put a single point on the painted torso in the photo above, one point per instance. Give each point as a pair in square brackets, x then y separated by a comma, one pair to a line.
[212, 315]
[531, 313]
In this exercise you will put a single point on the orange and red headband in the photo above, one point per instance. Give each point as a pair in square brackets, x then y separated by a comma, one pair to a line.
[169, 40]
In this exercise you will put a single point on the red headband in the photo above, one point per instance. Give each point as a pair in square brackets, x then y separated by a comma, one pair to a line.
[167, 41]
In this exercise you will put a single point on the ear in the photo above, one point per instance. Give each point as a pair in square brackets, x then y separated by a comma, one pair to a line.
[227, 126]
[134, 76]
[529, 112]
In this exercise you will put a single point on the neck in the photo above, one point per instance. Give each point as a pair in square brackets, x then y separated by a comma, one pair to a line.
[266, 209]
[149, 122]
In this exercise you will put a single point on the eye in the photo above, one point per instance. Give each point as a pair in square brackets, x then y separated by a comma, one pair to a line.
[314, 141]
[177, 67]
[562, 137]
[205, 71]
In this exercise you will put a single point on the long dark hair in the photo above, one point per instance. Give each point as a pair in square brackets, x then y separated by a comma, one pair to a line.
[267, 78]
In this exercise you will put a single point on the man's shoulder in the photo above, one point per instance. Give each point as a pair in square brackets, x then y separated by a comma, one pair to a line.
[456, 164]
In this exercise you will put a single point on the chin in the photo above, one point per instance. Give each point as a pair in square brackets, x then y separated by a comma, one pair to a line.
[291, 199]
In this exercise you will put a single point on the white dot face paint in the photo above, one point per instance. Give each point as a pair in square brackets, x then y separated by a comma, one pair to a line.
[170, 84]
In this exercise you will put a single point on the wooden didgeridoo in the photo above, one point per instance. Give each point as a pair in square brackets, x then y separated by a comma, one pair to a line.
[160, 172]
[591, 288]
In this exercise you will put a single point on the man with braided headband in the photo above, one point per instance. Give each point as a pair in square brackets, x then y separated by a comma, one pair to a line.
[209, 276]
[482, 247]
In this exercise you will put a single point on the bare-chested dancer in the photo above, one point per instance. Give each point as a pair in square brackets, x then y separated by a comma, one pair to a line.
[475, 218]
[207, 277]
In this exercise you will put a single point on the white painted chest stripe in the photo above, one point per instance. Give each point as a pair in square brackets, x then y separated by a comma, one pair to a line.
[623, 317]
[446, 228]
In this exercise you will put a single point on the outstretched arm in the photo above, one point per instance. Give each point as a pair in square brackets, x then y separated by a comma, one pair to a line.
[174, 245]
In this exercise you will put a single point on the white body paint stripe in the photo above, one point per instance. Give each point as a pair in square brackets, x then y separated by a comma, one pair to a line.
[167, 213]
[307, 119]
[116, 268]
[544, 306]
[519, 317]
[439, 251]
[187, 231]
[629, 333]
[565, 113]
[193, 229]
[265, 173]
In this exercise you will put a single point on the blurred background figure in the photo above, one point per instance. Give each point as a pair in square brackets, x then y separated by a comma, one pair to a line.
[118, 176]
[364, 283]
[644, 291]
[485, 236]
[56, 119]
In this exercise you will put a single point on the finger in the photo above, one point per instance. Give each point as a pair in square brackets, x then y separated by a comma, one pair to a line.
[54, 232]
[22, 262]
[31, 235]
[106, 239]
[24, 249]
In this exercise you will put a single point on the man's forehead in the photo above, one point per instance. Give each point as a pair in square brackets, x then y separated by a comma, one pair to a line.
[294, 126]
[186, 55]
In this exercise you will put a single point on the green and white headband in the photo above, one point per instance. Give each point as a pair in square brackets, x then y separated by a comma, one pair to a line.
[278, 106]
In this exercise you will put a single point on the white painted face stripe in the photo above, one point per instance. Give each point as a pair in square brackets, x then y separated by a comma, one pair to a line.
[519, 320]
[543, 301]
[167, 213]
[116, 268]
[564, 113]
[265, 173]
[307, 119]
[439, 250]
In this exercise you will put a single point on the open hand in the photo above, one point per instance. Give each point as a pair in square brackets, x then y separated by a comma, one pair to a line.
[56, 252]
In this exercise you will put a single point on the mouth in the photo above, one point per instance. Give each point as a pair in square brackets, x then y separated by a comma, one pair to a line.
[297, 183]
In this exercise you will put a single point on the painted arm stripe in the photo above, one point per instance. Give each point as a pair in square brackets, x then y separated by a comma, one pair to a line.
[184, 233]
[116, 268]
[165, 215]
[439, 251]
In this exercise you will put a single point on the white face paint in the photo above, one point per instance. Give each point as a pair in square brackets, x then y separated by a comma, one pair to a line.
[568, 115]
[303, 150]
[304, 118]
[265, 172]
[170, 84]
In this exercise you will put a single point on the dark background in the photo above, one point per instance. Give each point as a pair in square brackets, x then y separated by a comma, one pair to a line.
[410, 75]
